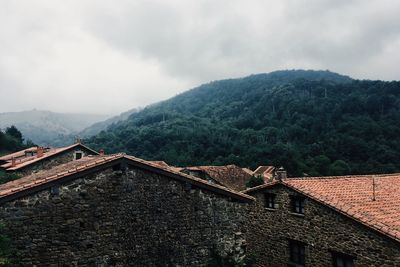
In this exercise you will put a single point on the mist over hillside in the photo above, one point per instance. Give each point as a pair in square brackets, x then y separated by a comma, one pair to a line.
[49, 128]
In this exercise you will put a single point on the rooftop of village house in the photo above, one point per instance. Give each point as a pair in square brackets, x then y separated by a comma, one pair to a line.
[89, 163]
[26, 157]
[373, 200]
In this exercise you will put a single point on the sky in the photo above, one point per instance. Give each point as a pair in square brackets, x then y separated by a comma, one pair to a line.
[106, 57]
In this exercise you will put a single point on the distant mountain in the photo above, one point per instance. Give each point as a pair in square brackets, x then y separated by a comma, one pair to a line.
[49, 128]
[102, 125]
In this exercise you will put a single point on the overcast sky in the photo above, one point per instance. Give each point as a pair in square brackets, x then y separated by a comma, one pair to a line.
[106, 57]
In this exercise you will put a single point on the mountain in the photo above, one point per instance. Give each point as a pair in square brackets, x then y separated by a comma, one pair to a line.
[102, 125]
[310, 122]
[48, 128]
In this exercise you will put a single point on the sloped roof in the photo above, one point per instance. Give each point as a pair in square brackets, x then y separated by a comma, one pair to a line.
[265, 171]
[353, 196]
[248, 171]
[17, 154]
[160, 163]
[23, 161]
[230, 176]
[90, 164]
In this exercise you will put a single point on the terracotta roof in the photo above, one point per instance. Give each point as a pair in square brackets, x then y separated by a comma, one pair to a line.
[265, 171]
[18, 154]
[160, 163]
[230, 176]
[87, 164]
[353, 197]
[248, 171]
[22, 160]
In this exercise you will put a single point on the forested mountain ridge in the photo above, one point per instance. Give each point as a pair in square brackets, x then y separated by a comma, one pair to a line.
[102, 125]
[311, 122]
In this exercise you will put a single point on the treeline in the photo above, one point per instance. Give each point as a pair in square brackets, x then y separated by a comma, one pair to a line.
[312, 123]
[11, 140]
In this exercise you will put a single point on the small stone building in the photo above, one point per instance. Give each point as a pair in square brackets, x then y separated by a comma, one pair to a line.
[118, 210]
[327, 221]
[34, 159]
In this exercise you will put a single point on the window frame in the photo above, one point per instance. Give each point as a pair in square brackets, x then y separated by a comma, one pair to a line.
[270, 201]
[298, 258]
[344, 257]
[297, 205]
[79, 152]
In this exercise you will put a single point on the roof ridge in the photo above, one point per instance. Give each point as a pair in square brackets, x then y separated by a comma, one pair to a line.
[382, 175]
[44, 178]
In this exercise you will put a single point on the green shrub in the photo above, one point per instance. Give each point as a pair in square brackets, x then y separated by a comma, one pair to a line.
[5, 251]
[7, 177]
[255, 181]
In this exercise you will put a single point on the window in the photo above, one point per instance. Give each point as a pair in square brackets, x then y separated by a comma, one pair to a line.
[270, 201]
[297, 204]
[297, 253]
[342, 260]
[78, 155]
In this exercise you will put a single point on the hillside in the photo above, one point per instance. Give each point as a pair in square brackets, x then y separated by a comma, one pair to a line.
[311, 122]
[48, 128]
[102, 125]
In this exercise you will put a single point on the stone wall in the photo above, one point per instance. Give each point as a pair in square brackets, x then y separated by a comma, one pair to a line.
[135, 218]
[138, 218]
[322, 229]
[50, 162]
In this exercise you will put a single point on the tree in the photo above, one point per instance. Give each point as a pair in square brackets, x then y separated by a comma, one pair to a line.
[14, 132]
[255, 181]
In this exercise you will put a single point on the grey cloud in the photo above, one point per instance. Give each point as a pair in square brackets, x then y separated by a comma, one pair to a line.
[108, 56]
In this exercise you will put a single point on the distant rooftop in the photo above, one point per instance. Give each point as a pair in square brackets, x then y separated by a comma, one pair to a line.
[26, 157]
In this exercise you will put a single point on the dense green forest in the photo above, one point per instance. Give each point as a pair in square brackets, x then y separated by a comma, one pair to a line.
[11, 140]
[310, 122]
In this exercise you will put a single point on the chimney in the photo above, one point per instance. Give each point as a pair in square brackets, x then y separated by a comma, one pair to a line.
[13, 162]
[77, 140]
[281, 174]
[39, 152]
[101, 152]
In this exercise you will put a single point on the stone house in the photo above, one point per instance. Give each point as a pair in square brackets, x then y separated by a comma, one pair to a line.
[33, 159]
[327, 221]
[117, 210]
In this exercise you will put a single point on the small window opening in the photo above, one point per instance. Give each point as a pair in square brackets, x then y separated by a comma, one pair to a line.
[342, 260]
[297, 253]
[297, 204]
[78, 155]
[270, 201]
